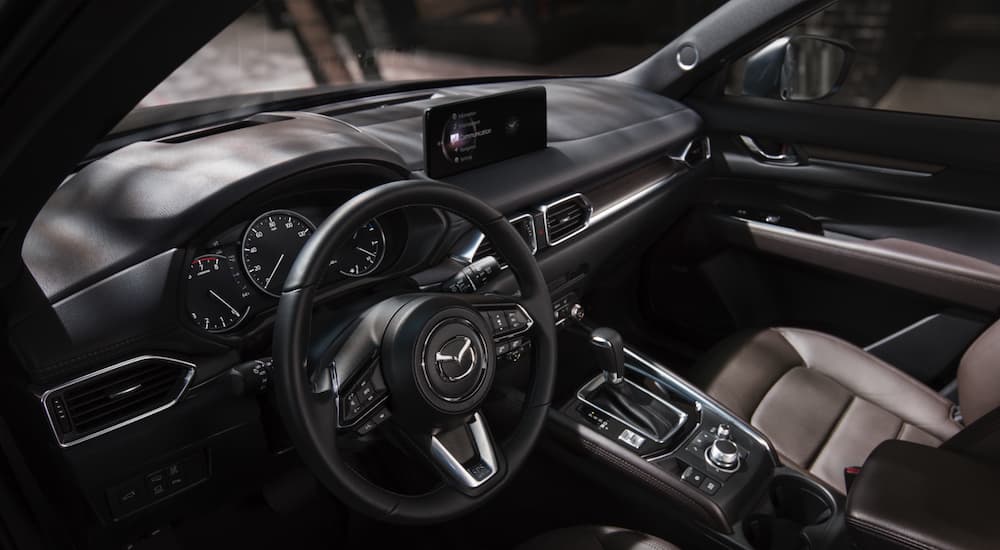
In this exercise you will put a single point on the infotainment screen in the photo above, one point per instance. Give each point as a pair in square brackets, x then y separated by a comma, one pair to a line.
[470, 133]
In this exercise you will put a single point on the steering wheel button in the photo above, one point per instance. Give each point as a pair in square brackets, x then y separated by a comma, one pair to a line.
[514, 320]
[503, 348]
[498, 321]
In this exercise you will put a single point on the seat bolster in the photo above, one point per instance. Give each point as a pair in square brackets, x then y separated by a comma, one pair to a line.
[739, 371]
[979, 376]
[875, 381]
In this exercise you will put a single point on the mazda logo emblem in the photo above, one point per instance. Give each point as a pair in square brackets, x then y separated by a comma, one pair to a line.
[456, 359]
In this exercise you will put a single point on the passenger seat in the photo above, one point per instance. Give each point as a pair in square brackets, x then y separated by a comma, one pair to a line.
[825, 404]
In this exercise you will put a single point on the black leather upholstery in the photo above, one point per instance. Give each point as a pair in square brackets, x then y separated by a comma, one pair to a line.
[596, 538]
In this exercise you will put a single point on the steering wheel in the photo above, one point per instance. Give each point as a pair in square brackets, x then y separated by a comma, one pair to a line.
[428, 359]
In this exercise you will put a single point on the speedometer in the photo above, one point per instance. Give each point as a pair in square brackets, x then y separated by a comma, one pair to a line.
[270, 246]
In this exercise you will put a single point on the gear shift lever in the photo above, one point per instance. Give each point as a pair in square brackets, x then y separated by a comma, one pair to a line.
[623, 399]
[610, 352]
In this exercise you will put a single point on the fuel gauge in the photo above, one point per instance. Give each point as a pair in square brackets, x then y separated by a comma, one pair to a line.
[216, 294]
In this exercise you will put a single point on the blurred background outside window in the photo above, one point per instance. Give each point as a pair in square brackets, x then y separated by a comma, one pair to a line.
[291, 44]
[921, 56]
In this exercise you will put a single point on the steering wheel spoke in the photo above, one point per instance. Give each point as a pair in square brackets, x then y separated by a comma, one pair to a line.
[466, 455]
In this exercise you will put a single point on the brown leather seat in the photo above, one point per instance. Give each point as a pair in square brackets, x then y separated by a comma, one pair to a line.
[596, 538]
[825, 404]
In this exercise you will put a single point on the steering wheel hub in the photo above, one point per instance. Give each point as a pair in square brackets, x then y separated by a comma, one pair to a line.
[455, 360]
[437, 359]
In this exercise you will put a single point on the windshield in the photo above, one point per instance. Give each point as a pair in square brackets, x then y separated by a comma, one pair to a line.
[297, 44]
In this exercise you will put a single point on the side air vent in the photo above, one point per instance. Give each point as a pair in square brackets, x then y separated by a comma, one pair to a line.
[116, 396]
[525, 226]
[565, 218]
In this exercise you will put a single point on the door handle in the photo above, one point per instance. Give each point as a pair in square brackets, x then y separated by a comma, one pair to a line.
[786, 156]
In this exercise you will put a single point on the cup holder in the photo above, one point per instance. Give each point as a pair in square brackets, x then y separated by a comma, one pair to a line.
[794, 505]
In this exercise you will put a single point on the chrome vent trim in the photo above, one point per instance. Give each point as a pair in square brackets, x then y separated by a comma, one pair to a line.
[475, 246]
[552, 209]
[50, 397]
[696, 151]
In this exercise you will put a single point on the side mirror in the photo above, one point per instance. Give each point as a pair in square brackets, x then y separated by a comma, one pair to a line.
[798, 68]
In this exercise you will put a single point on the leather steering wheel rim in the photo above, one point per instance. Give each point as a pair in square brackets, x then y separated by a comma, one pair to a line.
[308, 418]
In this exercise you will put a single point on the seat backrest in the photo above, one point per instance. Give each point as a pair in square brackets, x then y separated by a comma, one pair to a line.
[979, 376]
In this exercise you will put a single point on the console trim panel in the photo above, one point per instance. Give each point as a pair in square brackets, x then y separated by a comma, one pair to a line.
[596, 382]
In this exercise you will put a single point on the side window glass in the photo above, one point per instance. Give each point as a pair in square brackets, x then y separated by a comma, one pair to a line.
[918, 56]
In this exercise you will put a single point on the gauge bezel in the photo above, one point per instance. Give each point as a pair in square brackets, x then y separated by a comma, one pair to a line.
[246, 233]
[381, 256]
[243, 317]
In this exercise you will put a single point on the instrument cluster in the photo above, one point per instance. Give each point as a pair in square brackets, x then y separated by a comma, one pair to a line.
[244, 270]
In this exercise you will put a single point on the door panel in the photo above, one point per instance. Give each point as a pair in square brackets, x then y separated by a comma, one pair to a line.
[875, 226]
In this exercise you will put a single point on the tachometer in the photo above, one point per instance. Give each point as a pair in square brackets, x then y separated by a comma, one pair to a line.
[216, 293]
[270, 246]
[363, 253]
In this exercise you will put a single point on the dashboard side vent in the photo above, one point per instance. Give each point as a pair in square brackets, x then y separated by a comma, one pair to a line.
[524, 225]
[116, 396]
[565, 218]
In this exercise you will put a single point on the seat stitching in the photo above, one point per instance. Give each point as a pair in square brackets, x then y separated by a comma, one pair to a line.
[900, 375]
[891, 534]
[778, 379]
[769, 390]
[826, 439]
[908, 380]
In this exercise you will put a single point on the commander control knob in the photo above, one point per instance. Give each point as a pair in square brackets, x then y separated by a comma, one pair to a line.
[576, 312]
[724, 455]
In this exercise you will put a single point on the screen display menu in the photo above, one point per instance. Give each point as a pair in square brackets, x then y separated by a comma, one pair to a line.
[471, 133]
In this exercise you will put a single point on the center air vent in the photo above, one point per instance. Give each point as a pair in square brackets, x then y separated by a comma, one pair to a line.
[565, 218]
[525, 227]
[114, 397]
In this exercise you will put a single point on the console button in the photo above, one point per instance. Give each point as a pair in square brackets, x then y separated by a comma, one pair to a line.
[710, 486]
[128, 496]
[631, 438]
[157, 484]
[693, 477]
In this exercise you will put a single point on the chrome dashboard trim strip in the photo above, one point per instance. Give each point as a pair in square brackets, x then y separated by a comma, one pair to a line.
[48, 414]
[629, 200]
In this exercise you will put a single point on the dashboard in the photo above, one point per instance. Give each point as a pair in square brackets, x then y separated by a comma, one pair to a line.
[166, 259]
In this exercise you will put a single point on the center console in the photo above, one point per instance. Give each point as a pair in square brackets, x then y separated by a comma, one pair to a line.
[639, 418]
